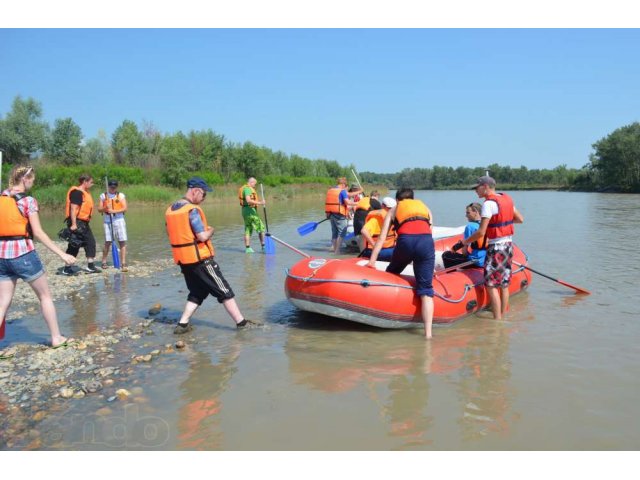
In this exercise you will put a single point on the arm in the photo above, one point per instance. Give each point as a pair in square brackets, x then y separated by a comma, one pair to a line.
[478, 234]
[353, 194]
[367, 236]
[102, 204]
[123, 201]
[73, 215]
[381, 239]
[206, 235]
[252, 203]
[38, 233]
[517, 216]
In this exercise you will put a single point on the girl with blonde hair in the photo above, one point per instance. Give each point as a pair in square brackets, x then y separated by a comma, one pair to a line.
[18, 257]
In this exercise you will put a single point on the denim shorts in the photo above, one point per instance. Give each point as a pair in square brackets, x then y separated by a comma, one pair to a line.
[338, 226]
[28, 267]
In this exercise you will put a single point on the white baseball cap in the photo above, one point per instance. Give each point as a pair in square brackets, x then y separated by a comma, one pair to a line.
[389, 202]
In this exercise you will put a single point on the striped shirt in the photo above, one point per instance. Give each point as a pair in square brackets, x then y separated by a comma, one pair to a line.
[17, 248]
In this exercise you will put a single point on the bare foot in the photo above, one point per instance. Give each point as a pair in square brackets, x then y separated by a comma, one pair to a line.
[61, 342]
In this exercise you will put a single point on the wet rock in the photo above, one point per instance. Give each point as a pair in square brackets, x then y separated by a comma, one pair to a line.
[155, 353]
[155, 309]
[79, 394]
[92, 387]
[39, 416]
[104, 411]
[112, 398]
[180, 344]
[123, 393]
[66, 392]
[108, 382]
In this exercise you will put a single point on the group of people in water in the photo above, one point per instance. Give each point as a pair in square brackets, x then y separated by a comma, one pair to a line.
[400, 231]
[397, 230]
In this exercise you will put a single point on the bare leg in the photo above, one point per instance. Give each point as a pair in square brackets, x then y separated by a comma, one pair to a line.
[496, 303]
[427, 315]
[123, 253]
[504, 294]
[247, 241]
[261, 235]
[7, 288]
[105, 251]
[336, 246]
[41, 287]
[189, 310]
[233, 310]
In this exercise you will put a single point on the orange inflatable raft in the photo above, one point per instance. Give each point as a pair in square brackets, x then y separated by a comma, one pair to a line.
[348, 289]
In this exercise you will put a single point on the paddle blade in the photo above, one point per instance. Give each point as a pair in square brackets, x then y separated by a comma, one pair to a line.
[269, 245]
[577, 289]
[115, 254]
[307, 228]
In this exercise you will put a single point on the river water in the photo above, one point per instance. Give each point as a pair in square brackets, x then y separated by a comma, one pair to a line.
[560, 373]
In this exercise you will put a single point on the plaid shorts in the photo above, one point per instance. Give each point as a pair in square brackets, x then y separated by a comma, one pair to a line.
[497, 266]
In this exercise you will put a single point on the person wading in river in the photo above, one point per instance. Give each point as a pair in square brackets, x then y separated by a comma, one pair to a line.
[496, 227]
[190, 239]
[18, 256]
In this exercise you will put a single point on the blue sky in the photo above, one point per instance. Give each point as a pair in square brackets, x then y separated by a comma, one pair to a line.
[382, 99]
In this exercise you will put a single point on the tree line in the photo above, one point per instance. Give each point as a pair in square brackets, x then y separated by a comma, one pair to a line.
[168, 159]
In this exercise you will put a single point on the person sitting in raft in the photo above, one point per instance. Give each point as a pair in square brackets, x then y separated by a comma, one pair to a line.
[412, 220]
[477, 251]
[365, 205]
[18, 256]
[372, 228]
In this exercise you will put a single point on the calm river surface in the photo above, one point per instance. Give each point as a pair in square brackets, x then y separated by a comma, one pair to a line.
[561, 373]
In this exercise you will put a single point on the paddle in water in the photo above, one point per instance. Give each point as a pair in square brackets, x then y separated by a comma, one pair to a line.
[577, 289]
[269, 244]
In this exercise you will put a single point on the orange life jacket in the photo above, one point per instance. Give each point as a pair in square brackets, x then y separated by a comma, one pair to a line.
[243, 201]
[14, 225]
[186, 248]
[410, 210]
[501, 225]
[379, 216]
[364, 204]
[86, 209]
[116, 203]
[332, 202]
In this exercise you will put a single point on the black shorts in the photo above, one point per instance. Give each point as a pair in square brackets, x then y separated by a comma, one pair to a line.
[204, 279]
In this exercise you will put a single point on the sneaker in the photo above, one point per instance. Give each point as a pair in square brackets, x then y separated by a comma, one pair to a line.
[124, 268]
[246, 323]
[249, 250]
[67, 271]
[182, 328]
[91, 269]
[263, 247]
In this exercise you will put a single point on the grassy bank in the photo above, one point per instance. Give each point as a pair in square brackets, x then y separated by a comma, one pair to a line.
[54, 196]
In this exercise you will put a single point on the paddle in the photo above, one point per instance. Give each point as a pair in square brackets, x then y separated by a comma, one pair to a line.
[577, 289]
[114, 248]
[307, 228]
[269, 246]
[289, 246]
[357, 181]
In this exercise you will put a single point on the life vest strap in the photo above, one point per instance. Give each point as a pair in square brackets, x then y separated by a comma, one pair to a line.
[16, 237]
[501, 224]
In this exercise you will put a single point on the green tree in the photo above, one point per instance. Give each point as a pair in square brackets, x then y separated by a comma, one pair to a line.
[617, 159]
[128, 143]
[22, 131]
[64, 146]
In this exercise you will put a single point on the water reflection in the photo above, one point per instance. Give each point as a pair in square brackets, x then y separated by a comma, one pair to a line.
[119, 305]
[199, 414]
[84, 305]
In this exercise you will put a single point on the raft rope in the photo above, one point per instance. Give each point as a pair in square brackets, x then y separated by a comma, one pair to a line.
[368, 283]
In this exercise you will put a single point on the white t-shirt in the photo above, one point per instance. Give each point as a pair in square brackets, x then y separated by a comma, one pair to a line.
[489, 209]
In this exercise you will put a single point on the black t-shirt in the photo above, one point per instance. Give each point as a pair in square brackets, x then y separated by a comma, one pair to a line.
[76, 197]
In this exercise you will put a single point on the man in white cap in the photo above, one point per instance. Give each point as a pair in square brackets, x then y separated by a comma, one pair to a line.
[496, 227]
[372, 228]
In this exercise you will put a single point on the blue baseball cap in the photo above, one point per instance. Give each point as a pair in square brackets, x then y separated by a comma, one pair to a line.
[197, 182]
